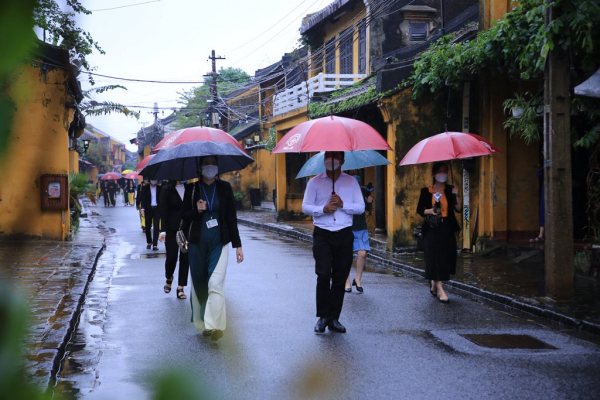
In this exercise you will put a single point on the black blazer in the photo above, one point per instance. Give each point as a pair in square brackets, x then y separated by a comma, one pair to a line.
[227, 213]
[145, 197]
[425, 201]
[170, 207]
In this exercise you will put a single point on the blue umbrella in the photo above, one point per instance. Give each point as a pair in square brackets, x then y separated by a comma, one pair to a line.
[352, 160]
[181, 162]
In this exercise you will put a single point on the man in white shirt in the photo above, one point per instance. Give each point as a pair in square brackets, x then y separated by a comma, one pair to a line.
[332, 198]
[148, 202]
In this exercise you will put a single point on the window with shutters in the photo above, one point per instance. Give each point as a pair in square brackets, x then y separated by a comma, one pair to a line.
[418, 31]
[346, 53]
[362, 50]
[330, 57]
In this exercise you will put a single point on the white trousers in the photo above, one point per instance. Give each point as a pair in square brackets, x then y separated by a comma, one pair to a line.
[215, 313]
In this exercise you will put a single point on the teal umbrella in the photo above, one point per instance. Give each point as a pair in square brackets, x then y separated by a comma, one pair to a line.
[352, 160]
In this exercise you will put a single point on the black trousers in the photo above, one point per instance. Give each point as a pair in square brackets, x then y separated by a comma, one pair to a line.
[171, 261]
[333, 259]
[106, 197]
[152, 220]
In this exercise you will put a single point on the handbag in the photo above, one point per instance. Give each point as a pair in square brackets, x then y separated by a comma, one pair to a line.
[181, 240]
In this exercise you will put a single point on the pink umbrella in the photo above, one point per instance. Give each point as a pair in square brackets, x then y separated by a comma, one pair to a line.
[143, 163]
[449, 146]
[331, 133]
[196, 134]
[109, 176]
[133, 175]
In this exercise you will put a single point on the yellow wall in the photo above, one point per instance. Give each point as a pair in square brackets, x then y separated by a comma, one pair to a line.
[73, 161]
[258, 175]
[39, 145]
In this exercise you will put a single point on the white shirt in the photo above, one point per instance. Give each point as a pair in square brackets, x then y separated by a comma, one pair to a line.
[318, 194]
[180, 189]
[153, 196]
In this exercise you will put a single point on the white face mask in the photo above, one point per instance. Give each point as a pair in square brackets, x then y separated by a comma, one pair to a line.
[328, 163]
[210, 171]
[441, 177]
[153, 182]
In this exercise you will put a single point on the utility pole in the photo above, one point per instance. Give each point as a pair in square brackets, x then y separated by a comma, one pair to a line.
[557, 174]
[213, 89]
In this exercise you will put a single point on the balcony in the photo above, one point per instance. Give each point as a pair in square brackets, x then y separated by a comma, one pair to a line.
[298, 96]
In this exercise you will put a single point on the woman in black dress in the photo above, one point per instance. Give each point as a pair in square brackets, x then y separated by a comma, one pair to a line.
[437, 204]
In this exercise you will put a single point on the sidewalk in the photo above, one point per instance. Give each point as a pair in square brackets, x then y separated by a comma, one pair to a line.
[495, 277]
[53, 278]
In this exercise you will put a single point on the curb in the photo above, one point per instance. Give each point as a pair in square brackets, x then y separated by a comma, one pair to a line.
[553, 316]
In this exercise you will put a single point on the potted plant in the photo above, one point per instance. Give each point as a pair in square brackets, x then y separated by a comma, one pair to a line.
[238, 197]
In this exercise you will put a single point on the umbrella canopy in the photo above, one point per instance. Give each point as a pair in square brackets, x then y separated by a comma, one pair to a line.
[181, 162]
[126, 171]
[111, 176]
[133, 175]
[144, 162]
[197, 133]
[449, 146]
[331, 133]
[352, 160]
[99, 175]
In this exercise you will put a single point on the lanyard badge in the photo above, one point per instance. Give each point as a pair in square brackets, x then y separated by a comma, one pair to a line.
[212, 222]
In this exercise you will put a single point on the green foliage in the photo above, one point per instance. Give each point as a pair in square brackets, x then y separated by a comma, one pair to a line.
[78, 184]
[271, 141]
[194, 101]
[519, 43]
[14, 315]
[320, 109]
[16, 26]
[89, 106]
[60, 28]
[237, 196]
[93, 156]
[528, 126]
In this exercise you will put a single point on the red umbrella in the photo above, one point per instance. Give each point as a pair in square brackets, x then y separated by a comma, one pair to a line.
[144, 162]
[133, 175]
[196, 134]
[331, 133]
[449, 146]
[109, 176]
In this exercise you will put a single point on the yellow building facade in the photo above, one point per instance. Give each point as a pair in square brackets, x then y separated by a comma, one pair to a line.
[44, 98]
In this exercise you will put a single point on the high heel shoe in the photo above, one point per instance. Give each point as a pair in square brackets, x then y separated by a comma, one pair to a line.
[348, 289]
[358, 288]
[166, 288]
[433, 292]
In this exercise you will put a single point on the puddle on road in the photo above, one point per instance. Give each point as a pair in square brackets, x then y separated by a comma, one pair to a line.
[148, 255]
[506, 341]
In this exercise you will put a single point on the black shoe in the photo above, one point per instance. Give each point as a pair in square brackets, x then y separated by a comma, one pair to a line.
[321, 324]
[148, 246]
[334, 325]
[348, 290]
[358, 288]
[444, 301]
[155, 248]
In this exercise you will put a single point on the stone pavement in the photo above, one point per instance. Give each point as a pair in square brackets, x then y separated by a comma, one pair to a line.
[53, 278]
[495, 277]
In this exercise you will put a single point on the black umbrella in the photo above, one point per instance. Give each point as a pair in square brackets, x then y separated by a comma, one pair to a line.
[181, 162]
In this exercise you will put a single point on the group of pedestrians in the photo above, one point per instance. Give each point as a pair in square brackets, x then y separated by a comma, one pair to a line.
[337, 206]
[205, 212]
[108, 189]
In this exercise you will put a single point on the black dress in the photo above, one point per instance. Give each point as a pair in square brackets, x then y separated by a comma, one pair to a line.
[439, 242]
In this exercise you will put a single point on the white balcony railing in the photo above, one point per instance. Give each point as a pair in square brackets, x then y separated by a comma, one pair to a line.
[296, 97]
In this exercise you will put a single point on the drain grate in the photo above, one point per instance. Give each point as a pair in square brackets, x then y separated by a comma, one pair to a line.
[506, 341]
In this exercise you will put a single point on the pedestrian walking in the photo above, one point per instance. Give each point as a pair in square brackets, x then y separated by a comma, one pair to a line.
[98, 189]
[209, 207]
[360, 230]
[138, 203]
[130, 193]
[170, 207]
[332, 236]
[149, 203]
[112, 192]
[437, 204]
[105, 193]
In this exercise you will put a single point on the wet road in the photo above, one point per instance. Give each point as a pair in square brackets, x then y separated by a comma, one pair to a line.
[401, 342]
